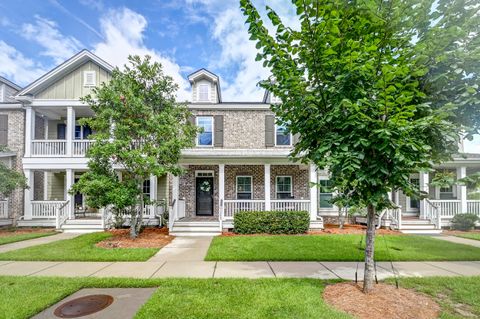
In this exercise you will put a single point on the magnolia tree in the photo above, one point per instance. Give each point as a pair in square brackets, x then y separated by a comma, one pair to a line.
[139, 131]
[377, 90]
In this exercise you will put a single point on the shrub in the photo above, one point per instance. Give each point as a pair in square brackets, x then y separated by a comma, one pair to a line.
[271, 222]
[464, 221]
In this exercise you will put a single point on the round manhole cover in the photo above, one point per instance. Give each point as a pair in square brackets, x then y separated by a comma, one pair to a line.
[83, 306]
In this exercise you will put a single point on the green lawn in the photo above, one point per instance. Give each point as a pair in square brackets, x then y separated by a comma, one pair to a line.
[457, 296]
[475, 236]
[336, 248]
[81, 248]
[12, 238]
[23, 297]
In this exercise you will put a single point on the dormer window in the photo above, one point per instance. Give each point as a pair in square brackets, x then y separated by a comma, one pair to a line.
[203, 93]
[89, 78]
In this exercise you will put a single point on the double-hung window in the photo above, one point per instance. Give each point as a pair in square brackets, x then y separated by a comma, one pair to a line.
[325, 193]
[82, 132]
[283, 187]
[203, 93]
[146, 188]
[447, 192]
[282, 135]
[205, 137]
[244, 187]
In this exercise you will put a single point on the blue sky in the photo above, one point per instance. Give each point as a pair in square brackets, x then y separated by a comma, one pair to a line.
[184, 35]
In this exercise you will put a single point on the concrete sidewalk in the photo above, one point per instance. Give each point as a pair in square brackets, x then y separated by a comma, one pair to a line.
[36, 241]
[201, 269]
[460, 240]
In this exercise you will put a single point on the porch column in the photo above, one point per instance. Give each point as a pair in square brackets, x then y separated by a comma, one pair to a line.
[423, 180]
[28, 195]
[175, 193]
[70, 134]
[153, 194]
[462, 189]
[313, 192]
[268, 205]
[69, 180]
[221, 189]
[29, 130]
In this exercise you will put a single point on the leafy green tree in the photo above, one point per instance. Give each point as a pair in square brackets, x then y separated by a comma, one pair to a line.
[376, 89]
[139, 130]
[10, 179]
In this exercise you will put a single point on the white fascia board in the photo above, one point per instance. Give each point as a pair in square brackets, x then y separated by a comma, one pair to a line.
[229, 107]
[41, 102]
[11, 106]
[236, 153]
[76, 59]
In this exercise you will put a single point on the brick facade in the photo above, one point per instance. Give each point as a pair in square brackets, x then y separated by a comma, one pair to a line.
[16, 135]
[300, 180]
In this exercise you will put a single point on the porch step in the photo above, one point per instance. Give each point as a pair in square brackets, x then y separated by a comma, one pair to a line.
[419, 226]
[316, 224]
[36, 223]
[82, 226]
[195, 228]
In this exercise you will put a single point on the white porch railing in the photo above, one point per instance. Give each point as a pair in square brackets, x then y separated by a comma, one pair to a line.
[49, 147]
[62, 214]
[290, 204]
[3, 208]
[449, 208]
[46, 209]
[80, 147]
[234, 206]
[473, 207]
[434, 212]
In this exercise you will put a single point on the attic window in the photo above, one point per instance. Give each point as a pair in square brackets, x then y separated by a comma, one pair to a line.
[203, 92]
[89, 78]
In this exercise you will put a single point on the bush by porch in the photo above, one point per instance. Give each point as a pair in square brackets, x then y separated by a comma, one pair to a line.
[271, 222]
[336, 248]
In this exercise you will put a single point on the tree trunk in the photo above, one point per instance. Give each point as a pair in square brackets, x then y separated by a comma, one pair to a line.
[368, 279]
[137, 215]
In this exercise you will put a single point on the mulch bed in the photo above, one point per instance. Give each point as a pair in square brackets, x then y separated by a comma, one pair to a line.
[385, 301]
[328, 230]
[459, 232]
[148, 238]
[21, 231]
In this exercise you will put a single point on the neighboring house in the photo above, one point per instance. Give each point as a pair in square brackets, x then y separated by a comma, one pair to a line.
[240, 162]
[12, 140]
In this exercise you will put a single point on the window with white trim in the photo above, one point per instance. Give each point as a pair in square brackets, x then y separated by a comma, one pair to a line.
[82, 132]
[204, 92]
[244, 187]
[283, 187]
[205, 137]
[447, 192]
[146, 188]
[89, 78]
[2, 92]
[282, 136]
[325, 193]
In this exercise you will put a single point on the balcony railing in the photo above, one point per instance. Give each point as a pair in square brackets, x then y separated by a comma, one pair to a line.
[3, 209]
[49, 148]
[54, 148]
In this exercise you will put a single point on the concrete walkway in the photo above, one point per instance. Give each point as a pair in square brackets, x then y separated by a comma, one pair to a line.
[201, 269]
[184, 249]
[36, 241]
[460, 240]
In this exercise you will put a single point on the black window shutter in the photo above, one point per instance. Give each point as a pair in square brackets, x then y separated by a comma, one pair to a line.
[218, 139]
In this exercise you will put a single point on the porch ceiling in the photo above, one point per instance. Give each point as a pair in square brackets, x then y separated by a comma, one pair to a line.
[59, 112]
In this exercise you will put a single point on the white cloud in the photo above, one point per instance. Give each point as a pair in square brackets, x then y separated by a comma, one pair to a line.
[16, 67]
[238, 51]
[123, 31]
[46, 34]
[472, 146]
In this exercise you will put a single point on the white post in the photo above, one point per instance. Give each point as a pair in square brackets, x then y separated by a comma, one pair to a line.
[28, 195]
[153, 194]
[268, 205]
[70, 134]
[69, 180]
[313, 192]
[175, 193]
[423, 180]
[462, 189]
[29, 130]
[221, 189]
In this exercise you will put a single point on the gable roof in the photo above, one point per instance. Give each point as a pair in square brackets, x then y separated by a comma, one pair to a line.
[204, 73]
[10, 83]
[69, 65]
